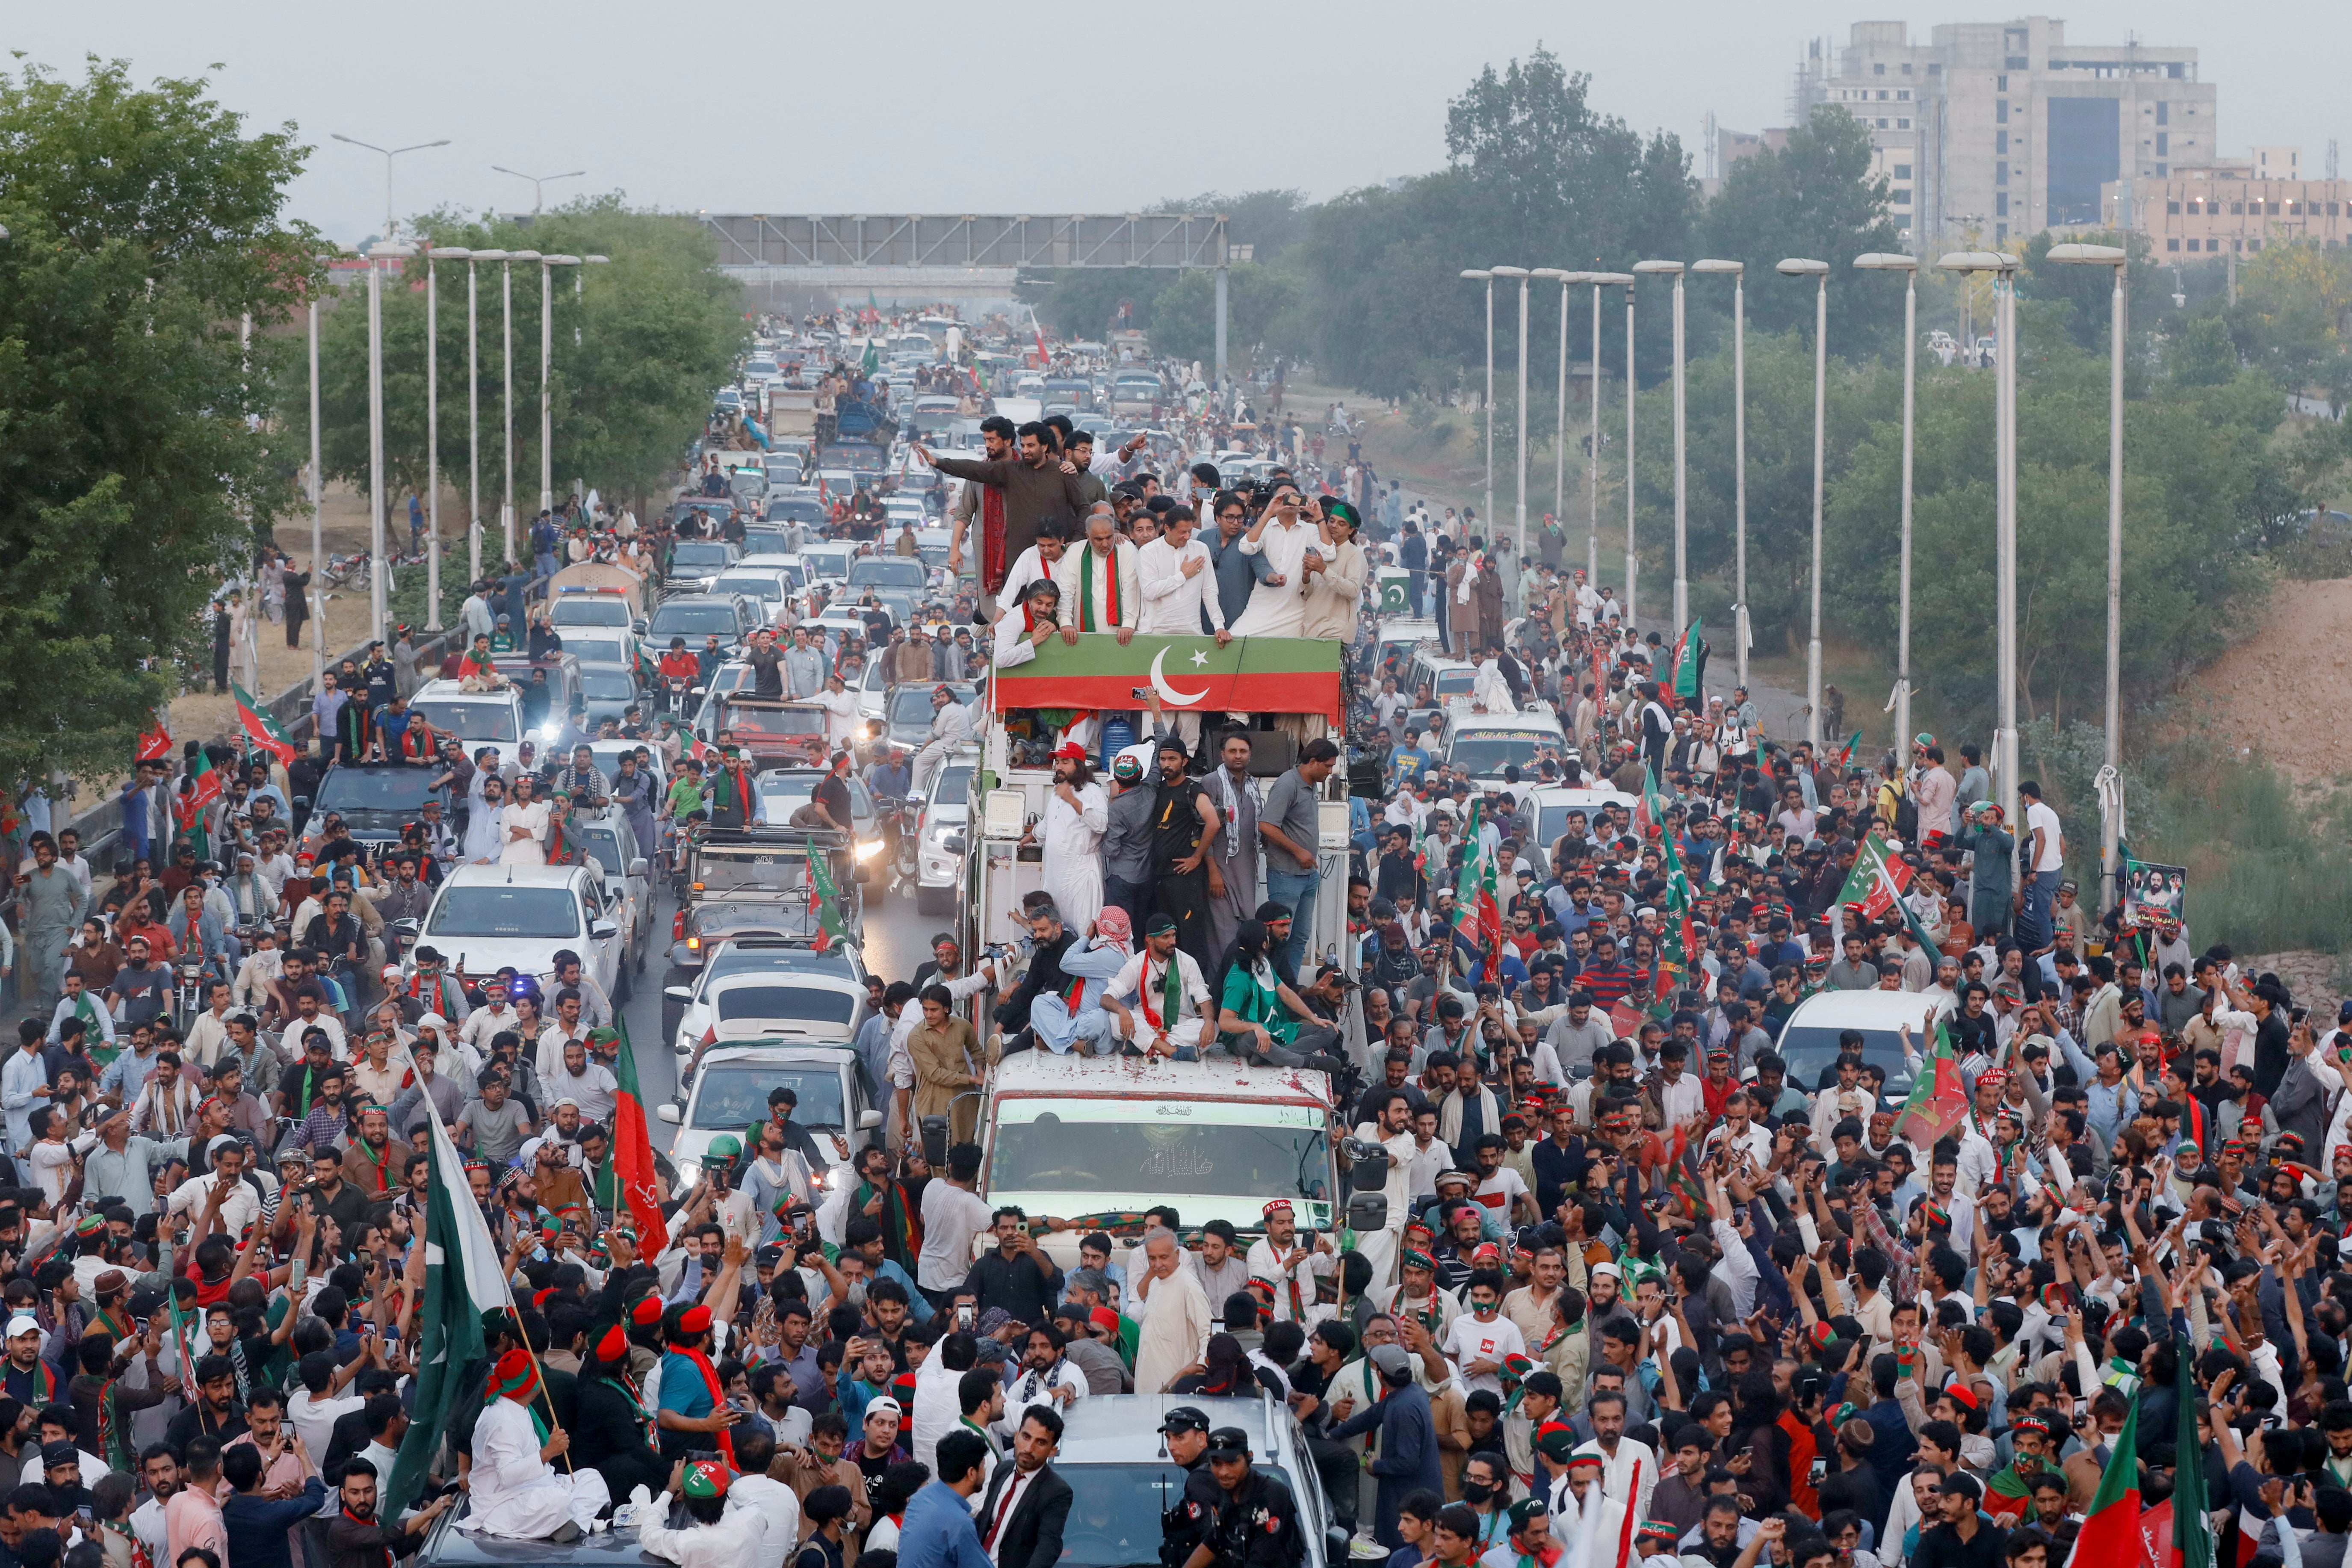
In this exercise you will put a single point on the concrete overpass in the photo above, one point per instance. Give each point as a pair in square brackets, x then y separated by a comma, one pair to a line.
[968, 256]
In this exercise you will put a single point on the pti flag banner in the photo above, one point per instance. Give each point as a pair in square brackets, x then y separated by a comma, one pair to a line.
[2111, 1525]
[1937, 1103]
[154, 744]
[262, 728]
[1248, 675]
[2152, 895]
[632, 1156]
[1684, 681]
[1477, 915]
[1877, 880]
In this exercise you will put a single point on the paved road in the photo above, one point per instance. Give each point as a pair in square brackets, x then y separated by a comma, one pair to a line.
[897, 941]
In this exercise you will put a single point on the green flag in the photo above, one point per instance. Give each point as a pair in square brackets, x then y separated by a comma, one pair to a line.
[825, 902]
[464, 1277]
[2110, 1531]
[2192, 1527]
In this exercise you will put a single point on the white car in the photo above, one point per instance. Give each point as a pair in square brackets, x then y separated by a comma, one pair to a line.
[731, 1093]
[488, 918]
[1810, 1042]
[477, 719]
[1547, 811]
[946, 818]
[1486, 744]
[628, 871]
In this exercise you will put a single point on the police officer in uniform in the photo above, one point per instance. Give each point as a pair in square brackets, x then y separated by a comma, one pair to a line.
[1256, 1524]
[1184, 1433]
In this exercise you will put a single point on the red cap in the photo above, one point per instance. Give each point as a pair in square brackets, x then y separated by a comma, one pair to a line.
[694, 1321]
[646, 1312]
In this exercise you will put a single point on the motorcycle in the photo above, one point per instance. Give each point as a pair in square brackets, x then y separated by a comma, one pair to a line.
[674, 691]
[906, 835]
[343, 570]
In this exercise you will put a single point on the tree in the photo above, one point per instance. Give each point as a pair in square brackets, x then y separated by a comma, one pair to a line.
[1184, 317]
[1814, 199]
[658, 328]
[138, 466]
[2089, 291]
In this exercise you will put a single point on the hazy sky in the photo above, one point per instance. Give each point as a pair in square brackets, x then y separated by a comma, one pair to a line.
[900, 107]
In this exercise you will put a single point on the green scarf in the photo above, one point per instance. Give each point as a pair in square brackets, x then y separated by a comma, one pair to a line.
[1086, 589]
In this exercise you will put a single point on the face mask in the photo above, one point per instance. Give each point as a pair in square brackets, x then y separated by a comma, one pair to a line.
[1476, 1491]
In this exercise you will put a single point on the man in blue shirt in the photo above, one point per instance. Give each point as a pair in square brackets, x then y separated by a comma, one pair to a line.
[937, 1530]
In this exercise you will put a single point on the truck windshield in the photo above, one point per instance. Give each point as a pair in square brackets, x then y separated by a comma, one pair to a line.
[492, 720]
[1052, 1153]
[375, 798]
[770, 871]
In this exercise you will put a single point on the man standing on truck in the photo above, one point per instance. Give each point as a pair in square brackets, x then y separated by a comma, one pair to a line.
[1185, 875]
[1021, 494]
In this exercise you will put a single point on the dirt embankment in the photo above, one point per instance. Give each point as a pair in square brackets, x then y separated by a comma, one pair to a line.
[2282, 691]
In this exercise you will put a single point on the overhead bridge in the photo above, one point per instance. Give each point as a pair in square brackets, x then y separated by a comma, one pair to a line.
[966, 254]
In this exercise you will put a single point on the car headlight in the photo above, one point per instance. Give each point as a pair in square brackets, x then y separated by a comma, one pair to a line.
[868, 850]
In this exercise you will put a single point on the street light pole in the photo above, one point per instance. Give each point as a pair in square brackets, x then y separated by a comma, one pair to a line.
[1820, 272]
[1632, 562]
[1488, 278]
[379, 580]
[2004, 739]
[1738, 271]
[2111, 774]
[391, 223]
[536, 182]
[1559, 440]
[433, 428]
[547, 266]
[507, 512]
[1895, 261]
[1682, 570]
[318, 522]
[474, 417]
[1521, 274]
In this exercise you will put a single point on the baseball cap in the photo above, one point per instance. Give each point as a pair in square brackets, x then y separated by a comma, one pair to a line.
[1183, 1418]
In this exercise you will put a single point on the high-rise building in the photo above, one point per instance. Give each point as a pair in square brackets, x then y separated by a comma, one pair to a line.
[2000, 130]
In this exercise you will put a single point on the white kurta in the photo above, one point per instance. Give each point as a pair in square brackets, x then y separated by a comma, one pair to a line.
[1489, 691]
[531, 851]
[740, 1536]
[517, 1493]
[1073, 860]
[1174, 1330]
[1098, 616]
[1172, 602]
[1277, 611]
[1335, 594]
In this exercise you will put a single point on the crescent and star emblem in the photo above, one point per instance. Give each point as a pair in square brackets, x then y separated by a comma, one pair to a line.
[1169, 694]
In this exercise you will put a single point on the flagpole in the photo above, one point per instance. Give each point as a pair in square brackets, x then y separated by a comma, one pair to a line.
[539, 1373]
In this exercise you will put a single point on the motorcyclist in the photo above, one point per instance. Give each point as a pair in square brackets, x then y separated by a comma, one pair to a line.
[679, 672]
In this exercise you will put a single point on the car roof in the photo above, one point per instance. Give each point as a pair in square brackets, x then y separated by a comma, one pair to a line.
[1155, 1079]
[454, 691]
[809, 979]
[1864, 1009]
[1123, 1428]
[517, 876]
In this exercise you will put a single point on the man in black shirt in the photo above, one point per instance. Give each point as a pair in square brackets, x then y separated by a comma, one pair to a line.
[1182, 829]
[832, 797]
[767, 662]
[1016, 1276]
[1963, 1539]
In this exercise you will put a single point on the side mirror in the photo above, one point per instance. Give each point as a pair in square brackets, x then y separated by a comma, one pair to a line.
[637, 868]
[667, 1112]
[1368, 1212]
[678, 993]
[868, 1120]
[1336, 1543]
[953, 844]
[603, 930]
[409, 927]
[301, 803]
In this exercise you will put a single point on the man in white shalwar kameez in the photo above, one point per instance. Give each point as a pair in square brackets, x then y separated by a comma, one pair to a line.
[1179, 582]
[516, 1491]
[1076, 813]
[1172, 1311]
[1283, 534]
[1489, 692]
[1099, 593]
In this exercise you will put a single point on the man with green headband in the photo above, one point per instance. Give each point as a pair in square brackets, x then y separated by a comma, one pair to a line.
[1335, 573]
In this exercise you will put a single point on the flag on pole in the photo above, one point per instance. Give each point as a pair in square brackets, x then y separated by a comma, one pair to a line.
[1844, 755]
[1686, 666]
[2192, 1527]
[262, 728]
[2110, 1532]
[1477, 916]
[463, 1278]
[825, 902]
[1878, 880]
[202, 788]
[1937, 1104]
[154, 745]
[631, 1162]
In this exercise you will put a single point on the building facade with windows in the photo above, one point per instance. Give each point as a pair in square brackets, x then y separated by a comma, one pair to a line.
[2238, 205]
[2000, 130]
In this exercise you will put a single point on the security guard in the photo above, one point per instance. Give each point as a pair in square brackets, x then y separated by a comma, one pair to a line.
[1184, 1433]
[1257, 1520]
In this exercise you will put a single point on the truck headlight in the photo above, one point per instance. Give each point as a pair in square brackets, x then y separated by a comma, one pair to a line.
[870, 848]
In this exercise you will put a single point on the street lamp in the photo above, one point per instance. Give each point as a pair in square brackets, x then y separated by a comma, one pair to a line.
[1521, 274]
[507, 512]
[1559, 440]
[1796, 267]
[1632, 562]
[1895, 261]
[1481, 275]
[379, 579]
[390, 225]
[2110, 776]
[1601, 281]
[474, 420]
[315, 599]
[547, 266]
[433, 426]
[536, 182]
[2004, 736]
[1682, 577]
[1737, 272]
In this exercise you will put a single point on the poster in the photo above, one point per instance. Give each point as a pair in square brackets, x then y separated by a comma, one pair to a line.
[2152, 896]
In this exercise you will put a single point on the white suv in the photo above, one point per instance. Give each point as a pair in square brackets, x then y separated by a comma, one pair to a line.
[487, 918]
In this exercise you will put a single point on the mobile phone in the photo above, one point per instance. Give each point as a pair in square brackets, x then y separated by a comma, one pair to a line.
[964, 1316]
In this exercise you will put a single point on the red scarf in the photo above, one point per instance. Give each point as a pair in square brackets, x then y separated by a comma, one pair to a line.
[993, 567]
[718, 1396]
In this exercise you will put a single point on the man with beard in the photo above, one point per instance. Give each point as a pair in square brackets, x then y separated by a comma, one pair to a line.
[1184, 826]
[1071, 832]
[517, 1492]
[1236, 796]
[356, 1539]
[1020, 494]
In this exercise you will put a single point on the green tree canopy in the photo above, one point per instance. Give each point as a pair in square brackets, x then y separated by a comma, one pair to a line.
[137, 464]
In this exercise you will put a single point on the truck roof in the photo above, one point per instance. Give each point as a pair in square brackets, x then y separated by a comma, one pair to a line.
[1040, 1073]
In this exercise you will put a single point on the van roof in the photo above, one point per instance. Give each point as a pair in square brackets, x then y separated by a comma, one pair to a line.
[1038, 1073]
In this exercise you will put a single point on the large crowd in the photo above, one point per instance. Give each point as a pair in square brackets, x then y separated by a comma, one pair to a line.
[1641, 1274]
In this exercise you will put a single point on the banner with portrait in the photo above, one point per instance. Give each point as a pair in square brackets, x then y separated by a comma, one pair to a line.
[2152, 895]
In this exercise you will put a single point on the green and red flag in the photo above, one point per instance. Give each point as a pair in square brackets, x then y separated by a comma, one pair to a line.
[2110, 1531]
[1478, 913]
[1684, 682]
[154, 745]
[1937, 1104]
[1650, 811]
[197, 791]
[262, 728]
[563, 849]
[1191, 675]
[1878, 880]
[825, 902]
[1844, 755]
[631, 1162]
